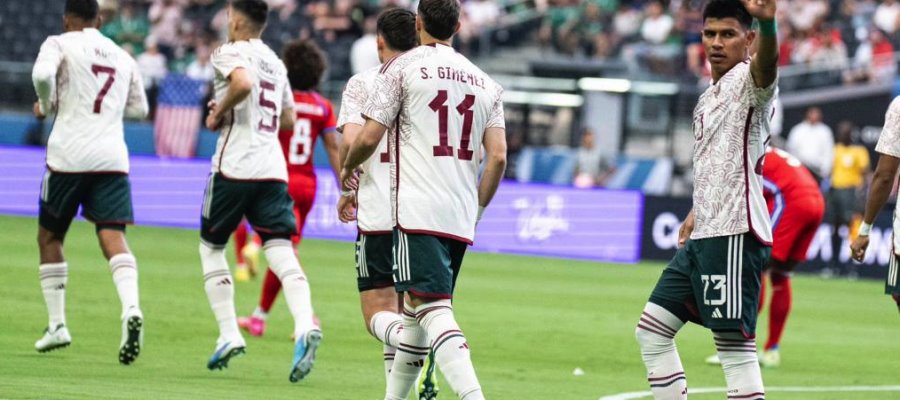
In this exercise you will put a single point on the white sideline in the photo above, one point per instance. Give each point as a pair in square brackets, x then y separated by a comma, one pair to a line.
[794, 389]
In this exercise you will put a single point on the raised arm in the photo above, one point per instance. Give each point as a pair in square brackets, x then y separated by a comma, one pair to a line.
[764, 65]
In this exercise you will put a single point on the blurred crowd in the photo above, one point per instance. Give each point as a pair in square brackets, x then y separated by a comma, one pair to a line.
[852, 39]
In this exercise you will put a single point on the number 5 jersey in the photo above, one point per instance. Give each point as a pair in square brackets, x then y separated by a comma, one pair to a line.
[442, 104]
[91, 83]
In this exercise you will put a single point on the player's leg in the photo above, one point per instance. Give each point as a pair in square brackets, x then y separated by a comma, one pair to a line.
[666, 312]
[223, 207]
[378, 299]
[60, 197]
[108, 205]
[271, 215]
[241, 271]
[426, 267]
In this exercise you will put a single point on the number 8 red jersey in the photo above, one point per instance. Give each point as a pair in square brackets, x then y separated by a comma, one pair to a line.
[314, 117]
[442, 104]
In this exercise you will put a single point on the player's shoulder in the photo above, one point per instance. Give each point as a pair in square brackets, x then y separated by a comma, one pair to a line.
[407, 59]
[366, 76]
[895, 105]
[228, 49]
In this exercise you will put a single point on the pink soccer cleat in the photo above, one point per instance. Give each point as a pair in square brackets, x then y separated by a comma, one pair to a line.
[253, 325]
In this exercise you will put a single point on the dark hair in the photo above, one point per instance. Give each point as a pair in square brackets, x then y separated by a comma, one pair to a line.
[255, 10]
[398, 28]
[440, 17]
[305, 64]
[721, 9]
[84, 9]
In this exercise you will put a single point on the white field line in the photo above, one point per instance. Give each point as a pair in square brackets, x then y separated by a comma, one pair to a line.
[785, 389]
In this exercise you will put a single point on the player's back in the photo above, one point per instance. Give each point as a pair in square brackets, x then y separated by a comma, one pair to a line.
[314, 116]
[785, 174]
[248, 147]
[93, 83]
[447, 105]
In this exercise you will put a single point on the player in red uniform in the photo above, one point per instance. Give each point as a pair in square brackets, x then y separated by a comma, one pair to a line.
[796, 207]
[315, 117]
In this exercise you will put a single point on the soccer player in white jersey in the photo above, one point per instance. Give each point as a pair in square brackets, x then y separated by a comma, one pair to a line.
[91, 84]
[725, 241]
[396, 33]
[447, 113]
[882, 183]
[249, 179]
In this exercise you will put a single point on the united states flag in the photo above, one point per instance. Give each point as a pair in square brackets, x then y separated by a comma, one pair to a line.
[178, 116]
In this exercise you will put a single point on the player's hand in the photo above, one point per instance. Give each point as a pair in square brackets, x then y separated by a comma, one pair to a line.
[858, 248]
[763, 10]
[213, 120]
[684, 233]
[346, 209]
[37, 111]
[349, 179]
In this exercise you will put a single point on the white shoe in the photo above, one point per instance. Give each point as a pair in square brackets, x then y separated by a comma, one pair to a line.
[132, 336]
[56, 339]
[770, 359]
[225, 351]
[713, 360]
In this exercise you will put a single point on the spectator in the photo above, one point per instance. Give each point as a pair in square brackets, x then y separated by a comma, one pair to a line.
[805, 14]
[479, 16]
[201, 68]
[886, 15]
[559, 14]
[848, 179]
[812, 142]
[626, 23]
[165, 17]
[364, 52]
[592, 168]
[152, 65]
[586, 34]
[873, 61]
[689, 24]
[655, 50]
[657, 25]
[128, 28]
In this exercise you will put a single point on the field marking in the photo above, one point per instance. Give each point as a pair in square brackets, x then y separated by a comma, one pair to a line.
[794, 389]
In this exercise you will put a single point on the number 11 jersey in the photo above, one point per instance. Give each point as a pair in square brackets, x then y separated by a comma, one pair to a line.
[442, 104]
[248, 146]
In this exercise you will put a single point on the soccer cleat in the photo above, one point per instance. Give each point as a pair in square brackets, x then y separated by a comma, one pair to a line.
[225, 351]
[253, 325]
[242, 273]
[428, 383]
[251, 257]
[132, 337]
[305, 355]
[713, 360]
[57, 339]
[770, 359]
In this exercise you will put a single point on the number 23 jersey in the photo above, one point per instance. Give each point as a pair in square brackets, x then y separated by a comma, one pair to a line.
[314, 116]
[442, 104]
[248, 146]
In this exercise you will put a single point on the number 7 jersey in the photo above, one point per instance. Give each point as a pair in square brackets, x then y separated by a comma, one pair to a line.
[442, 104]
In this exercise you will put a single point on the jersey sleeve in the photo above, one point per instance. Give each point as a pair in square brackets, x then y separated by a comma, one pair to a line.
[43, 75]
[352, 102]
[759, 96]
[889, 142]
[497, 119]
[383, 104]
[226, 59]
[136, 106]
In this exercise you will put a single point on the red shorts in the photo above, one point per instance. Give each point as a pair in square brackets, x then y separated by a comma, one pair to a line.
[302, 189]
[794, 227]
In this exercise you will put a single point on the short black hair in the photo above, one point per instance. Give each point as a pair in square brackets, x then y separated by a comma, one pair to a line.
[440, 17]
[721, 9]
[255, 10]
[305, 64]
[398, 28]
[84, 9]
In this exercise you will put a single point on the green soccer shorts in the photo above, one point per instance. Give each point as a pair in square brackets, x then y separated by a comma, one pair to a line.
[374, 261]
[426, 266]
[265, 204]
[892, 282]
[715, 282]
[105, 200]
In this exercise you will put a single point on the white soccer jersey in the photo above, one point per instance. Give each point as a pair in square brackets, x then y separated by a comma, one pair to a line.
[731, 126]
[92, 84]
[889, 144]
[373, 216]
[248, 146]
[442, 104]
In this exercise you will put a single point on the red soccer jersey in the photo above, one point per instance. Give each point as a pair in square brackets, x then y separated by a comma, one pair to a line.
[786, 179]
[314, 117]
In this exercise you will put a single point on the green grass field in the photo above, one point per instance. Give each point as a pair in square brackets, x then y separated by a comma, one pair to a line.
[530, 322]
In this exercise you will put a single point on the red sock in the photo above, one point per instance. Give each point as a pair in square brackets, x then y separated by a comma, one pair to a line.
[780, 308]
[270, 289]
[762, 293]
[240, 240]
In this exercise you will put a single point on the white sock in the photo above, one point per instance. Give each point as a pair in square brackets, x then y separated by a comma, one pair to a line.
[741, 366]
[125, 276]
[259, 313]
[53, 283]
[410, 357]
[389, 353]
[283, 261]
[220, 290]
[451, 351]
[386, 327]
[656, 336]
